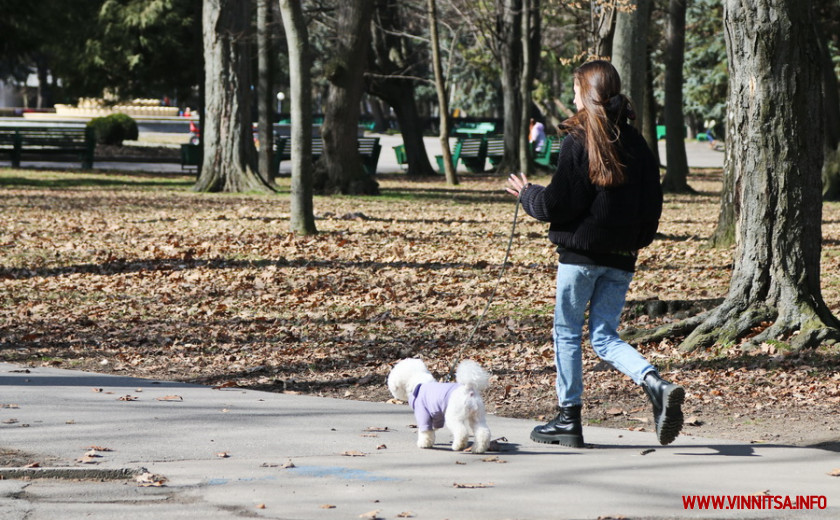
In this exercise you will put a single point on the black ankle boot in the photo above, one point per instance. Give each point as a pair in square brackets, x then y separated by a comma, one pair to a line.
[667, 399]
[565, 429]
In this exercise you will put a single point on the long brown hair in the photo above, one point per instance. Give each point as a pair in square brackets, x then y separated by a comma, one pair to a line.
[597, 121]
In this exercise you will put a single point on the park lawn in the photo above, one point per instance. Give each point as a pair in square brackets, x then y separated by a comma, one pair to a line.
[138, 275]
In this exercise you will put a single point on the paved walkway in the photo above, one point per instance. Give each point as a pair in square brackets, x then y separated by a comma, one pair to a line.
[223, 454]
[699, 155]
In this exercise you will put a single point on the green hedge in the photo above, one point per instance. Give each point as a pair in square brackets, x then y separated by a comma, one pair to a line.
[114, 129]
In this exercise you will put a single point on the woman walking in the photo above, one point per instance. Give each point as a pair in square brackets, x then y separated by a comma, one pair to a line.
[603, 205]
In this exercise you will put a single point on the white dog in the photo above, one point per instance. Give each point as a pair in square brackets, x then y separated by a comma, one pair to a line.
[456, 405]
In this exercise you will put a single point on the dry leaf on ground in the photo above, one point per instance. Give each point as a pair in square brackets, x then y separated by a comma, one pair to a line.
[150, 480]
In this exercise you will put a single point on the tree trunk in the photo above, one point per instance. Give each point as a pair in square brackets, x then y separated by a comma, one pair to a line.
[265, 112]
[525, 163]
[831, 162]
[649, 110]
[676, 174]
[630, 57]
[602, 22]
[339, 170]
[230, 159]
[300, 92]
[776, 126]
[389, 59]
[443, 103]
[510, 52]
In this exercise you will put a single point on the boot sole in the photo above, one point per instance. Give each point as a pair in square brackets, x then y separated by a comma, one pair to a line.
[572, 441]
[670, 423]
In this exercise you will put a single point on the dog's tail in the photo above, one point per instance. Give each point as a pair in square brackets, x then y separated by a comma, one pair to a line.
[471, 375]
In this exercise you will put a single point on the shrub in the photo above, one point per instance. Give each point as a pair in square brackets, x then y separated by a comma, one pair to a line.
[114, 129]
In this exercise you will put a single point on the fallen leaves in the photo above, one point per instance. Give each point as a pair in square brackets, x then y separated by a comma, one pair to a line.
[154, 283]
[472, 486]
[148, 479]
[353, 453]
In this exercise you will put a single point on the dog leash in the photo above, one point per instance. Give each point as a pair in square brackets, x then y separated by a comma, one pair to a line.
[451, 373]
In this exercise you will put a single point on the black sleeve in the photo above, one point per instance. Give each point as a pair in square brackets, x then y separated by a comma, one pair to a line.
[568, 195]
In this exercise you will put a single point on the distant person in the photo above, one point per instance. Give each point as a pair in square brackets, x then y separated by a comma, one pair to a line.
[537, 135]
[710, 136]
[603, 204]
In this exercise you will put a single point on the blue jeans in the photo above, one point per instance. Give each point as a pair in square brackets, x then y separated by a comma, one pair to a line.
[604, 289]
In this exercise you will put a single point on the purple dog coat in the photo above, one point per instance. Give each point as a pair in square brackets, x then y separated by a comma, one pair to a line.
[429, 404]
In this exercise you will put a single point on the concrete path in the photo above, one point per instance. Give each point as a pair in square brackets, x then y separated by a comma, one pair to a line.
[231, 453]
[699, 156]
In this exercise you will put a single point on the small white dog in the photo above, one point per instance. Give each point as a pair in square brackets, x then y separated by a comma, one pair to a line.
[457, 405]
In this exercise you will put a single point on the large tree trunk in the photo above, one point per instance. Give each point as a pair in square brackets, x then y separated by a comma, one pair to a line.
[676, 174]
[630, 56]
[265, 117]
[339, 170]
[776, 126]
[388, 81]
[443, 102]
[831, 161]
[300, 90]
[230, 159]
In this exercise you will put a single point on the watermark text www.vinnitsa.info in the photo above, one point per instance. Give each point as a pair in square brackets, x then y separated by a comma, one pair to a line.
[754, 502]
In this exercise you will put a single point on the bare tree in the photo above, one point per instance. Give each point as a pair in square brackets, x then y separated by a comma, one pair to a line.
[392, 77]
[630, 53]
[340, 170]
[265, 112]
[443, 101]
[300, 90]
[676, 175]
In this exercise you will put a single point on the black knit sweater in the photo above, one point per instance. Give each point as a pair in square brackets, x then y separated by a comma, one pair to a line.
[596, 225]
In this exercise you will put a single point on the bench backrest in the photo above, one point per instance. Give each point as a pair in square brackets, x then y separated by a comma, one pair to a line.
[495, 146]
[367, 146]
[471, 147]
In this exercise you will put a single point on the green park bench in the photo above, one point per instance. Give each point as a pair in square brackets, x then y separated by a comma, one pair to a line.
[495, 150]
[550, 153]
[368, 147]
[471, 151]
[48, 140]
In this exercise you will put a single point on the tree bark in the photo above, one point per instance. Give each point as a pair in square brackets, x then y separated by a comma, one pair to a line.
[525, 163]
[265, 117]
[443, 103]
[339, 170]
[300, 92]
[649, 109]
[676, 174]
[602, 21]
[630, 55]
[510, 54]
[775, 129]
[230, 159]
[831, 161]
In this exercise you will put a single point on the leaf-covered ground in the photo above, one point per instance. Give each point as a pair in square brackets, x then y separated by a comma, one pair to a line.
[135, 274]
